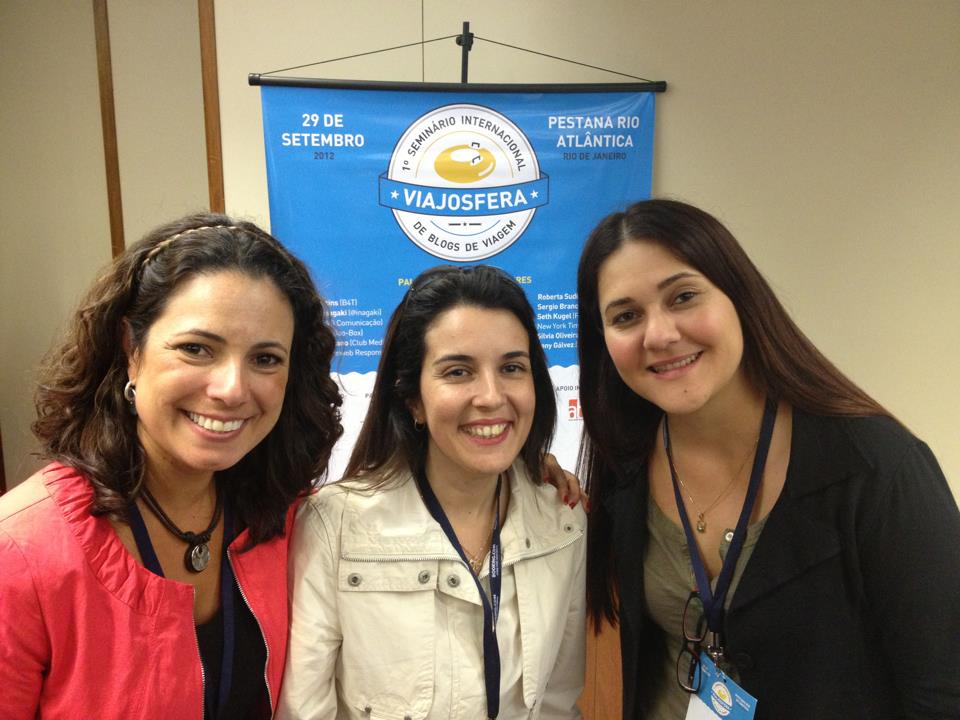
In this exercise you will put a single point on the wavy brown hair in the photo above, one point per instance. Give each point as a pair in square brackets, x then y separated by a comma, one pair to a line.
[83, 420]
[778, 359]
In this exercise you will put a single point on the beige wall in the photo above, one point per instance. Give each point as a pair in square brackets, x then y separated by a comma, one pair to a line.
[159, 106]
[55, 232]
[824, 134]
[53, 201]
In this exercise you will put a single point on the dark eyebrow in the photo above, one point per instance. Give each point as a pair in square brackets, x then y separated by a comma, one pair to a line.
[617, 303]
[469, 358]
[266, 344]
[453, 358]
[202, 333]
[666, 282]
[270, 345]
[673, 278]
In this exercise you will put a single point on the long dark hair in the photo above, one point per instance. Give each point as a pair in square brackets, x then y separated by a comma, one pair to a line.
[779, 361]
[389, 444]
[84, 422]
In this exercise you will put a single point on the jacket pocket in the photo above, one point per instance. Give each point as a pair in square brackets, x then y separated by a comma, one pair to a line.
[388, 622]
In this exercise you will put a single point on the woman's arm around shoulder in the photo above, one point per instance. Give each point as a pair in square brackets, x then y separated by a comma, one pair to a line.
[309, 683]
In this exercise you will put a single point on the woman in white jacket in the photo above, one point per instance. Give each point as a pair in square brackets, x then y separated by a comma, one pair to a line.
[440, 580]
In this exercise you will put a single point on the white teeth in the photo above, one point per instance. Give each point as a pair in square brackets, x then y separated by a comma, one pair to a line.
[215, 425]
[486, 431]
[676, 364]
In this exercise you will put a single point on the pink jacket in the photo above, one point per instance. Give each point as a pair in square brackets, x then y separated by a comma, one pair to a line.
[85, 631]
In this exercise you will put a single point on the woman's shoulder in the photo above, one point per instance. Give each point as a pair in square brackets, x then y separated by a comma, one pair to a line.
[358, 496]
[34, 498]
[541, 503]
[45, 521]
[876, 454]
[879, 440]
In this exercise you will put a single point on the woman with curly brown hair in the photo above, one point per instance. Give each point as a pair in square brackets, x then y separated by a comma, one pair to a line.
[143, 572]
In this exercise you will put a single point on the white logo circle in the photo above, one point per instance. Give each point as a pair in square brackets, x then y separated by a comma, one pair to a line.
[461, 171]
[720, 699]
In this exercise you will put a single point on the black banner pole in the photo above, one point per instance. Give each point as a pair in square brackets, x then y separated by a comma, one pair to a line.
[465, 41]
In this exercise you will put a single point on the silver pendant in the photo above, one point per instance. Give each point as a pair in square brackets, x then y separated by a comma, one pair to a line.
[197, 557]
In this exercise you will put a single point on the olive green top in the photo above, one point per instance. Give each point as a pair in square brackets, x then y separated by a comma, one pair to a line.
[668, 579]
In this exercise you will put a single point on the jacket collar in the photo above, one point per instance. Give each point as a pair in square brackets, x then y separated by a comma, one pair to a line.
[795, 539]
[394, 523]
[111, 563]
[821, 453]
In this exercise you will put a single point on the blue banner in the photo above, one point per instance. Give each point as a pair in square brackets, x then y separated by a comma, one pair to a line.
[372, 186]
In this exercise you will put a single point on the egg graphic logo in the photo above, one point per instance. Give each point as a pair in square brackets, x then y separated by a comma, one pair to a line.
[463, 182]
[720, 699]
[465, 164]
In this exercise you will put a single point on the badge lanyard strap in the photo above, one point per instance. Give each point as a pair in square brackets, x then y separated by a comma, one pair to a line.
[228, 610]
[491, 607]
[713, 601]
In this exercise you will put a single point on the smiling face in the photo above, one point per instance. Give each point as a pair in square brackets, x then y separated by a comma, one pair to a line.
[211, 373]
[674, 337]
[477, 395]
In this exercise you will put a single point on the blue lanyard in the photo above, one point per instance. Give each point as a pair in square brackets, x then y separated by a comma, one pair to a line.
[713, 601]
[227, 608]
[491, 607]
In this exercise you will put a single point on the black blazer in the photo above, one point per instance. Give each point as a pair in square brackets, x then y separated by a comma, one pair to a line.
[849, 606]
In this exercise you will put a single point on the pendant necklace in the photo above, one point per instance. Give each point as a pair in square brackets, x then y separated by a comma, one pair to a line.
[197, 555]
[701, 514]
[476, 561]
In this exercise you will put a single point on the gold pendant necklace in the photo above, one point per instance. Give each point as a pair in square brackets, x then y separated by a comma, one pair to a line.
[701, 514]
[476, 561]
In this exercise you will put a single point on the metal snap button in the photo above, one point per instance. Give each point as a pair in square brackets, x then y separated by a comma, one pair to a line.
[354, 579]
[453, 581]
[424, 577]
[568, 528]
[728, 536]
[367, 709]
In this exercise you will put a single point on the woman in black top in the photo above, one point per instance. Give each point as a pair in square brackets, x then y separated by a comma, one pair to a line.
[706, 409]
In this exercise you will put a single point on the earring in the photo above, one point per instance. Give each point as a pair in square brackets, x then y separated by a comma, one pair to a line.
[130, 395]
[418, 425]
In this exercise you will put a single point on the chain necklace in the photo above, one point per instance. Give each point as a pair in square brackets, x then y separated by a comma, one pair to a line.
[701, 514]
[476, 561]
[197, 556]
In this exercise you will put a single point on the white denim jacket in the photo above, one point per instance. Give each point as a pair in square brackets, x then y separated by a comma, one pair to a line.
[386, 620]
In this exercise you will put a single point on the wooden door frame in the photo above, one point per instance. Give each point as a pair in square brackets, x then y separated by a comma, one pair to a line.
[206, 24]
[211, 104]
[108, 120]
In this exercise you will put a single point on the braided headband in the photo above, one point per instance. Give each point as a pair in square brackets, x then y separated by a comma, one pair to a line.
[163, 245]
